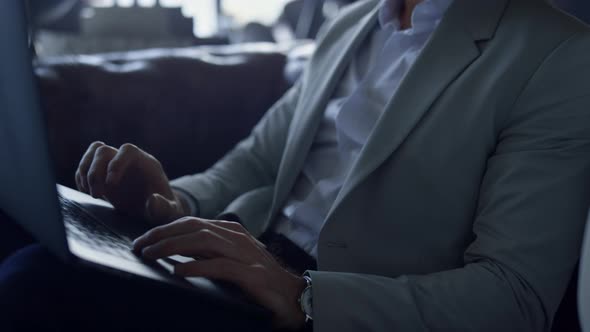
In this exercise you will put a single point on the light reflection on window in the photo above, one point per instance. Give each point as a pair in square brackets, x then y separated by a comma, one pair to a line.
[262, 11]
[204, 12]
[146, 3]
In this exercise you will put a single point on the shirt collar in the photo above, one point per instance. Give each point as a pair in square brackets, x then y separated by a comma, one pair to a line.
[426, 13]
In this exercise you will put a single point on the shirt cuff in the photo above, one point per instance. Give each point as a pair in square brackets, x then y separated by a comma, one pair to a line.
[191, 202]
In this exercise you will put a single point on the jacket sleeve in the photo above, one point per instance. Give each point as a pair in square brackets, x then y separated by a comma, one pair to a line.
[252, 164]
[528, 227]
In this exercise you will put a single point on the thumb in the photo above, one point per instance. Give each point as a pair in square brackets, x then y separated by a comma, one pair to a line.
[160, 210]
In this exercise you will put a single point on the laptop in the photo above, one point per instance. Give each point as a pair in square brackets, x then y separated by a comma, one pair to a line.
[74, 226]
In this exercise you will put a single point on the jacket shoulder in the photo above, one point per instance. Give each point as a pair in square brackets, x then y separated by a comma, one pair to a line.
[544, 19]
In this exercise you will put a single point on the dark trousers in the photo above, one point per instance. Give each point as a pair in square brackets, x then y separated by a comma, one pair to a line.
[12, 237]
[38, 292]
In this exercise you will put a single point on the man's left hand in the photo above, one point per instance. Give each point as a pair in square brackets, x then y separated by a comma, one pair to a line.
[226, 251]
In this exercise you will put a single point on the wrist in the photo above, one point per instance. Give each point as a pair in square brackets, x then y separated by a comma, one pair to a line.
[186, 202]
[297, 317]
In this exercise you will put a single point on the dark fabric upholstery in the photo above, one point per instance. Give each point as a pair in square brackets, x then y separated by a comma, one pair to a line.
[174, 103]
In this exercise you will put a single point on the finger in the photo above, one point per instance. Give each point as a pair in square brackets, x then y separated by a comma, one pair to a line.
[127, 155]
[236, 227]
[217, 268]
[247, 277]
[78, 179]
[84, 165]
[160, 210]
[203, 244]
[189, 225]
[97, 172]
[178, 227]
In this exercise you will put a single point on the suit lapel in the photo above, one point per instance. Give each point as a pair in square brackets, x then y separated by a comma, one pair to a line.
[449, 52]
[326, 74]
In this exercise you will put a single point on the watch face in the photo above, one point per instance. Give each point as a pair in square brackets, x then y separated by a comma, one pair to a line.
[306, 302]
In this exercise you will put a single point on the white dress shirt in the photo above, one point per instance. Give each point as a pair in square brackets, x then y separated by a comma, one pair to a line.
[370, 81]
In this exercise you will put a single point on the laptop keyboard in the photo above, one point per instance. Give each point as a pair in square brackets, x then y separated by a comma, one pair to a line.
[85, 228]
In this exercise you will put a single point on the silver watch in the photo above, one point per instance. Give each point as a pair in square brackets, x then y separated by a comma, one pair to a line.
[305, 300]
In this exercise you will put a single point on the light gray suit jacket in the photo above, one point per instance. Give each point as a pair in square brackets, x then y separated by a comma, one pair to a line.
[466, 207]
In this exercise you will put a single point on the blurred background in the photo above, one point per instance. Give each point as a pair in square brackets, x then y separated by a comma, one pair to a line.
[171, 75]
[96, 26]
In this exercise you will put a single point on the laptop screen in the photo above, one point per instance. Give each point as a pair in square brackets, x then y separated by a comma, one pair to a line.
[27, 185]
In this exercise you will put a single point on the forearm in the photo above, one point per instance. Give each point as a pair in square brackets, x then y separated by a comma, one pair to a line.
[188, 204]
[252, 164]
[215, 189]
[482, 296]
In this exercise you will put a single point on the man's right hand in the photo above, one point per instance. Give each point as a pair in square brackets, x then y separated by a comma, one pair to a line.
[130, 179]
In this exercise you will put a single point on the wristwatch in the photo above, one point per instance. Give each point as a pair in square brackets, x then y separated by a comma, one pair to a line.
[305, 300]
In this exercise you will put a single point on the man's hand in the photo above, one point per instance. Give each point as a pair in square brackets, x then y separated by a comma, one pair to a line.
[130, 179]
[226, 251]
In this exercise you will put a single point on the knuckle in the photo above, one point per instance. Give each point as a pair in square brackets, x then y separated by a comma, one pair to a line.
[205, 233]
[244, 238]
[192, 222]
[96, 144]
[102, 151]
[155, 233]
[205, 236]
[188, 220]
[258, 268]
[185, 221]
[180, 221]
[238, 226]
[129, 148]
